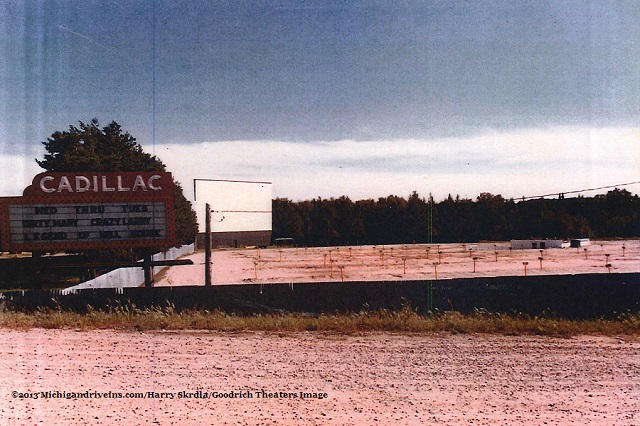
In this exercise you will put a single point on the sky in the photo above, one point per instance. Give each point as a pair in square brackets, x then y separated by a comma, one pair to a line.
[329, 98]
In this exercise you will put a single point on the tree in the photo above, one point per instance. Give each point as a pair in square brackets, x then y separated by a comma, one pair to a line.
[287, 222]
[88, 148]
[417, 223]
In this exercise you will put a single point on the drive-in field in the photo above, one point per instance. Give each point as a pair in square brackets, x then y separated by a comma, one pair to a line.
[402, 262]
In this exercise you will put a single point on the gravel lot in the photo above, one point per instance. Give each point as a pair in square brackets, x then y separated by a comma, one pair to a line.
[368, 379]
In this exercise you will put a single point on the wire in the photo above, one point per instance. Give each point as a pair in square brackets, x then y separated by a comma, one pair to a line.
[562, 194]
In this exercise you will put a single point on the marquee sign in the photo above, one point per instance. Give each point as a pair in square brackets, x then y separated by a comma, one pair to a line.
[113, 184]
[74, 211]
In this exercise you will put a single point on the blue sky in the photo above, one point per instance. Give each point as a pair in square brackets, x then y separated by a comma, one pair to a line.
[333, 98]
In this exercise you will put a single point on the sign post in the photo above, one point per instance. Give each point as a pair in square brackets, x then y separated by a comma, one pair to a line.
[148, 269]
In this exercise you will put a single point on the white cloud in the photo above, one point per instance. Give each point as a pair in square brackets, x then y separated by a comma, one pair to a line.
[516, 163]
[17, 173]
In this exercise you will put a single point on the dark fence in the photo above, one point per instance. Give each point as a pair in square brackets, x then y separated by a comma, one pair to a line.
[567, 296]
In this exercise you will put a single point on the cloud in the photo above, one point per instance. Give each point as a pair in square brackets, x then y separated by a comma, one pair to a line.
[518, 163]
[17, 173]
[512, 163]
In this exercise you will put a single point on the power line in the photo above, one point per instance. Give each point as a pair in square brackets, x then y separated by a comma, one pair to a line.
[562, 194]
[153, 78]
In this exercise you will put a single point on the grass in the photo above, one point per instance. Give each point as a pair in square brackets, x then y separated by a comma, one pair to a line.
[405, 320]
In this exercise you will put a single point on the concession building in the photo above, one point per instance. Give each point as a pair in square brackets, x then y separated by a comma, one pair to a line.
[538, 243]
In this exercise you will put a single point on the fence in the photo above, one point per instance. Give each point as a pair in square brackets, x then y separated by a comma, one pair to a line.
[129, 277]
[568, 296]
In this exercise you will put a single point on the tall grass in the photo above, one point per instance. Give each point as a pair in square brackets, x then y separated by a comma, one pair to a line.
[406, 320]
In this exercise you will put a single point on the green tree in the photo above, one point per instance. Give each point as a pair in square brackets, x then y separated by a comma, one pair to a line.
[417, 221]
[287, 222]
[89, 148]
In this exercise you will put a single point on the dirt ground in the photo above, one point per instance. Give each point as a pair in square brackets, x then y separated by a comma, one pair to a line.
[83, 377]
[368, 379]
[401, 262]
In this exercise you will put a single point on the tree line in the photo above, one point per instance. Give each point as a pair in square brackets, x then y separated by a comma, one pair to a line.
[397, 220]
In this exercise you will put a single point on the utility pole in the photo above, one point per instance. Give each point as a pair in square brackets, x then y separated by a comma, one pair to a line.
[430, 241]
[207, 247]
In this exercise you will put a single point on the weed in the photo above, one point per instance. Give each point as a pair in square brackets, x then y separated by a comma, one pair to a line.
[405, 320]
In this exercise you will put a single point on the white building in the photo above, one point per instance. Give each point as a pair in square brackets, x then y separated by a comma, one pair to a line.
[538, 243]
[580, 242]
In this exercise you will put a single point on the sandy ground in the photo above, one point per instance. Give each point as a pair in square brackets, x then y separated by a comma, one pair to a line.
[368, 379]
[401, 262]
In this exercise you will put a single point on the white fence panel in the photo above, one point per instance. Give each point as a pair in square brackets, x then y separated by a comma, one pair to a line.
[130, 277]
